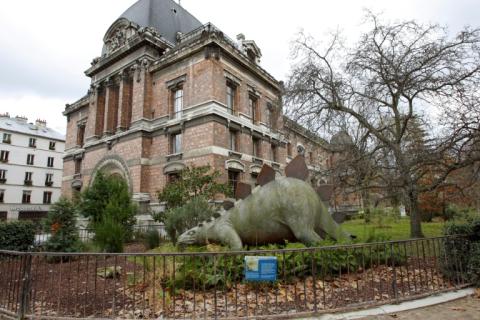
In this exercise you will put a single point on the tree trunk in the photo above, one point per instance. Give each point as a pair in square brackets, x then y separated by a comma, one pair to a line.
[415, 219]
[410, 195]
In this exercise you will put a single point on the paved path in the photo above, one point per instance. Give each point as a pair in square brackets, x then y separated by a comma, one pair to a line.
[461, 309]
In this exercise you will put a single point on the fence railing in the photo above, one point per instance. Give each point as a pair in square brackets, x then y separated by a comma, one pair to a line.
[212, 284]
[86, 235]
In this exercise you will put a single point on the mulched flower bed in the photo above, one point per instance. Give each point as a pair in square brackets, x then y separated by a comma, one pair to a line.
[126, 287]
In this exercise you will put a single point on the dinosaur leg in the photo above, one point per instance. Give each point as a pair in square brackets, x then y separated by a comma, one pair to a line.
[305, 235]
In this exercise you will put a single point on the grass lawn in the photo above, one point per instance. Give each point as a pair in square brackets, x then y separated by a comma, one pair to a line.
[391, 229]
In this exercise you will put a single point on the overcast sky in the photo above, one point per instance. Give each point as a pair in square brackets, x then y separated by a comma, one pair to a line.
[45, 46]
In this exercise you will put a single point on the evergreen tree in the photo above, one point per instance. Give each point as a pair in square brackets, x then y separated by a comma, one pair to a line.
[108, 205]
[61, 224]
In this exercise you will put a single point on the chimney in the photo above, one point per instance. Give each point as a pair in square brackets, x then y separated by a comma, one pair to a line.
[21, 119]
[41, 123]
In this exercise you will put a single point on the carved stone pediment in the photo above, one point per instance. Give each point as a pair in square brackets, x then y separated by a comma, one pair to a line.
[118, 35]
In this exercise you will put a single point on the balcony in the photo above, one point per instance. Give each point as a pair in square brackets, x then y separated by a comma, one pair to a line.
[174, 157]
[3, 180]
[27, 182]
[234, 154]
[7, 141]
[48, 183]
[3, 160]
[257, 160]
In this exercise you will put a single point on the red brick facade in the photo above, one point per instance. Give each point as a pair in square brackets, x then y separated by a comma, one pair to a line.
[130, 124]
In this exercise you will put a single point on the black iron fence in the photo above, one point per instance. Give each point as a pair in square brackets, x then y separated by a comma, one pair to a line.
[86, 235]
[212, 284]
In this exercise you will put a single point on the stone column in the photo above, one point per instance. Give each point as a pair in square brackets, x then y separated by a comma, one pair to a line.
[141, 91]
[111, 102]
[100, 111]
[125, 101]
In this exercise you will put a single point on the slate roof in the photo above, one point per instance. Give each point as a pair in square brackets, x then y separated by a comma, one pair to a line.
[11, 124]
[167, 16]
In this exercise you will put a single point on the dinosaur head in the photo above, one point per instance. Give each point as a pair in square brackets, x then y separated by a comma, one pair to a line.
[196, 235]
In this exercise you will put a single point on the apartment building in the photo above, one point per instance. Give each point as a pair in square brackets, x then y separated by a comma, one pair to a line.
[31, 162]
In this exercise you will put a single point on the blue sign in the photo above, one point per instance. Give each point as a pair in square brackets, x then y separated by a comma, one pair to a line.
[260, 268]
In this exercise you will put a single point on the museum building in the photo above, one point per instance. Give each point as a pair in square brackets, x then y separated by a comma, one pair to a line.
[169, 92]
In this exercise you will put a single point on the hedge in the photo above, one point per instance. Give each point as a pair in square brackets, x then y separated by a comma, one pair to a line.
[17, 235]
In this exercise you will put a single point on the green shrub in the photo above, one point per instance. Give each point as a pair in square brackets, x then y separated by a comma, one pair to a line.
[109, 234]
[473, 266]
[109, 193]
[17, 235]
[379, 216]
[151, 239]
[61, 224]
[108, 205]
[224, 270]
[180, 219]
[462, 254]
[454, 212]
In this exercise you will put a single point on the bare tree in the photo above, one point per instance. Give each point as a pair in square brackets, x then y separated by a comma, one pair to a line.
[396, 74]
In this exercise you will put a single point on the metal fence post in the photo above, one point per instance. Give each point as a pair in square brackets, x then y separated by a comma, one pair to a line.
[394, 270]
[26, 286]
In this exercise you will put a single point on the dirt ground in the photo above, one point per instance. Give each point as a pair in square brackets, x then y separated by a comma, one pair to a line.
[461, 309]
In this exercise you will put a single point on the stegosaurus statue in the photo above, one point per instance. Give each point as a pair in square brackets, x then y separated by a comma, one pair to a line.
[277, 210]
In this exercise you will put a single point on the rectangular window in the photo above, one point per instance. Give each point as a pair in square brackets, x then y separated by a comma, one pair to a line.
[50, 162]
[176, 143]
[28, 178]
[26, 196]
[3, 176]
[172, 177]
[273, 153]
[30, 159]
[233, 178]
[289, 149]
[256, 147]
[7, 138]
[51, 145]
[231, 92]
[49, 179]
[78, 166]
[2, 196]
[252, 104]
[270, 116]
[233, 140]
[32, 142]
[4, 156]
[177, 96]
[47, 197]
[80, 135]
